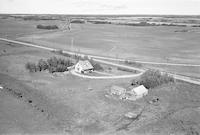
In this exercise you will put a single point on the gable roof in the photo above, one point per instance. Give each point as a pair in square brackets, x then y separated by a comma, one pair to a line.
[85, 64]
[140, 90]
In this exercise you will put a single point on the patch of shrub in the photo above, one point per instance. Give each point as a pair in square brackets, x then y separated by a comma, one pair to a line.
[48, 27]
[126, 70]
[42, 65]
[133, 63]
[154, 78]
[32, 67]
[77, 21]
[52, 65]
[99, 22]
[96, 65]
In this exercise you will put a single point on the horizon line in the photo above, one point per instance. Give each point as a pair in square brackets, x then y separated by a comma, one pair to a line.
[100, 14]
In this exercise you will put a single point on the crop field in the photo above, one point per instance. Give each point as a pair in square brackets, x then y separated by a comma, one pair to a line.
[160, 44]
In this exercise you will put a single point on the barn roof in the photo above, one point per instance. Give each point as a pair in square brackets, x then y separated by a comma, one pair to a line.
[85, 64]
[139, 90]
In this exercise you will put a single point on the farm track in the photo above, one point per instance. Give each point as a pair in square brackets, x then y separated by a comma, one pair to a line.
[102, 59]
[106, 77]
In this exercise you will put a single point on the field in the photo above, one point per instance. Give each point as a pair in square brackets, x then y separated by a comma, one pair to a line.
[159, 44]
[154, 44]
[44, 103]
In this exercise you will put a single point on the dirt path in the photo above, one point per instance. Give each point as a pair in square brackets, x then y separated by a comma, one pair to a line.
[103, 73]
[106, 77]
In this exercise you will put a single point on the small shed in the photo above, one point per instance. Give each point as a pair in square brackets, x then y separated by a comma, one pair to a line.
[139, 91]
[84, 66]
[117, 90]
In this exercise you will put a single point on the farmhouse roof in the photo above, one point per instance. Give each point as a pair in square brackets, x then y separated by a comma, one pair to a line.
[85, 64]
[140, 90]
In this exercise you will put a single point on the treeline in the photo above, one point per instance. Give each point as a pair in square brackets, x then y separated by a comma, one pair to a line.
[48, 27]
[37, 18]
[152, 24]
[78, 21]
[143, 23]
[99, 22]
[52, 65]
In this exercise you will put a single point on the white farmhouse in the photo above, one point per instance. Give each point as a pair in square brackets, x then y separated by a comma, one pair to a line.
[84, 67]
[139, 91]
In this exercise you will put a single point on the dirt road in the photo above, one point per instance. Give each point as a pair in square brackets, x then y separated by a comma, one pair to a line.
[106, 77]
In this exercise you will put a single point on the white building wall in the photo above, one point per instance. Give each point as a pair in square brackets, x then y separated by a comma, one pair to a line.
[78, 68]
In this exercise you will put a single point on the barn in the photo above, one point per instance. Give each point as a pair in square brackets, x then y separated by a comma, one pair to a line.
[84, 67]
[139, 91]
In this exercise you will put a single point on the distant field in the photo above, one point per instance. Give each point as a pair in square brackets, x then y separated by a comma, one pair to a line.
[13, 28]
[136, 43]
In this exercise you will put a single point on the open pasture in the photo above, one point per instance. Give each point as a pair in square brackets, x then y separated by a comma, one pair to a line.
[158, 44]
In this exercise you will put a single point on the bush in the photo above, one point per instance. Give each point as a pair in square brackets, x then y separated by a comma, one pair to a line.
[48, 27]
[42, 65]
[133, 63]
[96, 65]
[77, 21]
[52, 62]
[31, 67]
[52, 69]
[154, 78]
[126, 70]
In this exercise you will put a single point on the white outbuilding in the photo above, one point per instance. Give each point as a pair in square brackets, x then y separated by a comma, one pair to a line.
[139, 91]
[84, 67]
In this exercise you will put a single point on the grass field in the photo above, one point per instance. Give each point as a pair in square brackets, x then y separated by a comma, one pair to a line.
[159, 44]
[136, 43]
